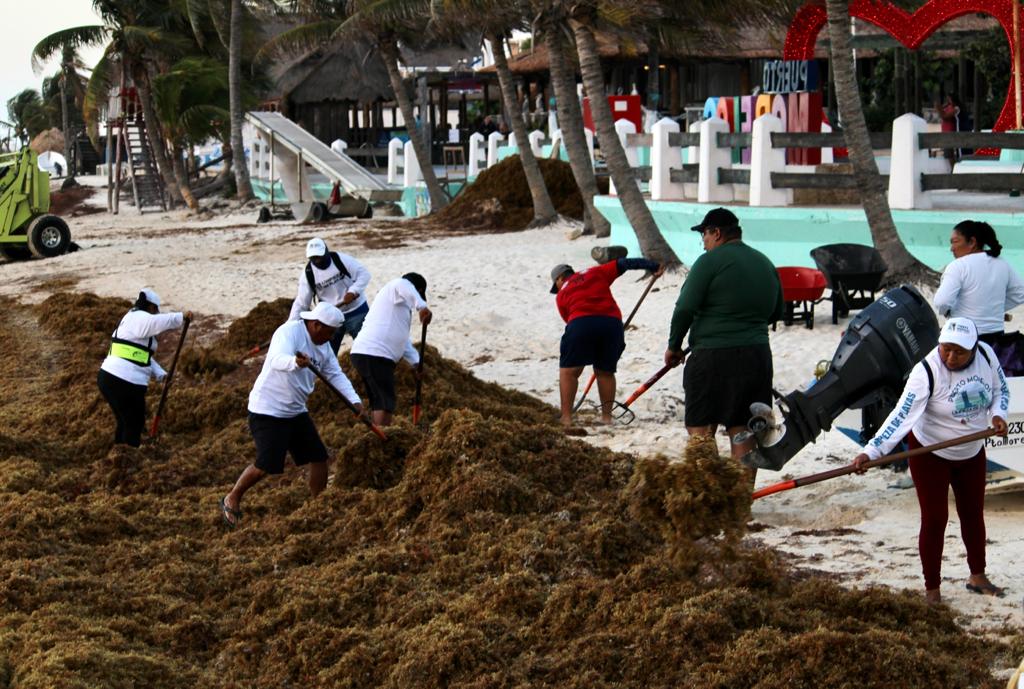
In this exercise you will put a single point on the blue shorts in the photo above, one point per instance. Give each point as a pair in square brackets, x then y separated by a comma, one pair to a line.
[596, 341]
[351, 326]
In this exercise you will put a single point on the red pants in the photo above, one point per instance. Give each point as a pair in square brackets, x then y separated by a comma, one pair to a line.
[932, 478]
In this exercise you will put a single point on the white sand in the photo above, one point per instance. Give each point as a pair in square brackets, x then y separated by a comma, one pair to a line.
[493, 313]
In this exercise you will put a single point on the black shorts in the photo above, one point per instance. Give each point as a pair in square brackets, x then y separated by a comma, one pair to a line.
[721, 384]
[378, 376]
[275, 436]
[592, 340]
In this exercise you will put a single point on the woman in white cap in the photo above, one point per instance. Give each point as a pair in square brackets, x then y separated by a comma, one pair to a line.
[125, 373]
[278, 417]
[954, 391]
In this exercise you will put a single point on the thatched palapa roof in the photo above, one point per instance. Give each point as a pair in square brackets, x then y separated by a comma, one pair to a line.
[48, 140]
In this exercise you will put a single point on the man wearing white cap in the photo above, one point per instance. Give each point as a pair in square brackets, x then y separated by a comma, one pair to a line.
[278, 416]
[337, 279]
[954, 391]
[129, 365]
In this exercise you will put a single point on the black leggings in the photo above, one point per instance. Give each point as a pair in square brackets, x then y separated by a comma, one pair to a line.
[128, 402]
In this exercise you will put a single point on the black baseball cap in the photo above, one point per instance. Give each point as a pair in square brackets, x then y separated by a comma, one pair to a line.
[721, 218]
[419, 282]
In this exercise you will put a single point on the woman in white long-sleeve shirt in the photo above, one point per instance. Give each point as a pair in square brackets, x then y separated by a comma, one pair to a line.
[129, 366]
[978, 284]
[952, 392]
[278, 417]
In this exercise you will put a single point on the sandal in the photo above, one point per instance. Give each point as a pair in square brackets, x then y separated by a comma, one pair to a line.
[986, 589]
[231, 517]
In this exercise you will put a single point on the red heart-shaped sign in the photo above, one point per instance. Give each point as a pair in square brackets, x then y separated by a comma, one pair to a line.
[909, 29]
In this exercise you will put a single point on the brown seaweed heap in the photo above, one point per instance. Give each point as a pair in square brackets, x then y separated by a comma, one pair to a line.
[483, 548]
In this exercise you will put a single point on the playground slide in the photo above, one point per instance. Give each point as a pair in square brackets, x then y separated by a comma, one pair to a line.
[293, 149]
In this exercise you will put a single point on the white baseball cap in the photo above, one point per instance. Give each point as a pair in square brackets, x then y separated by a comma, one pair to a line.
[315, 247]
[328, 314]
[151, 296]
[959, 331]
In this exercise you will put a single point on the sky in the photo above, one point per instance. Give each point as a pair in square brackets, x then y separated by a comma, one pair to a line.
[25, 23]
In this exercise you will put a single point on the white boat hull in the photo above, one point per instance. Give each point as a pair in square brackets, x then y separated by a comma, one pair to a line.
[1006, 455]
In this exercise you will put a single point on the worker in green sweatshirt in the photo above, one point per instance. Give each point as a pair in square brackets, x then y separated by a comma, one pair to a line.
[728, 300]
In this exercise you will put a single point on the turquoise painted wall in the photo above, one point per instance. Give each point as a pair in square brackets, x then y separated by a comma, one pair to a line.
[787, 235]
[414, 203]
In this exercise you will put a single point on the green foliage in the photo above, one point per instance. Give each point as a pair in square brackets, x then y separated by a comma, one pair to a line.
[28, 114]
[991, 55]
[191, 100]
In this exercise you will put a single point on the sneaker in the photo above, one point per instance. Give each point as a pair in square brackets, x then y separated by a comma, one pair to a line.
[903, 482]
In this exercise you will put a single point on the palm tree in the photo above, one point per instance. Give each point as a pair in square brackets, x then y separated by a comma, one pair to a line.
[67, 44]
[384, 22]
[242, 185]
[543, 209]
[497, 18]
[28, 115]
[230, 19]
[652, 244]
[133, 31]
[901, 263]
[389, 23]
[191, 101]
[570, 122]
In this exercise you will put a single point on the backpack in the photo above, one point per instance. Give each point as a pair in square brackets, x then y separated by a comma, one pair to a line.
[931, 378]
[336, 260]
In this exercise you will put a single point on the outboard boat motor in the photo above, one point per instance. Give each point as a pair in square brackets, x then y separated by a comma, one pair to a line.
[874, 358]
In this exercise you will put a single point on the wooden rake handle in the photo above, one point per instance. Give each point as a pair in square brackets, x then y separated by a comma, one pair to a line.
[155, 427]
[881, 461]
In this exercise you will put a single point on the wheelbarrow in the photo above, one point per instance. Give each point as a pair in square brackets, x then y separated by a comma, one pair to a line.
[853, 272]
[801, 290]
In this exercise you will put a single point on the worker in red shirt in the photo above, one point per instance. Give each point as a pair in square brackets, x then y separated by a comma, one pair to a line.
[593, 332]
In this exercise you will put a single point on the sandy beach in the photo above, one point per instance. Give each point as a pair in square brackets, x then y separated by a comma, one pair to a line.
[493, 314]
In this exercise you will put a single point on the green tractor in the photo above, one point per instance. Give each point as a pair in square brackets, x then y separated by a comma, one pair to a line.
[26, 227]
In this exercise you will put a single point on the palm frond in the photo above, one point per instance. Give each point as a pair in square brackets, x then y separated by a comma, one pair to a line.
[97, 91]
[197, 11]
[220, 13]
[74, 38]
[299, 40]
[200, 120]
[142, 39]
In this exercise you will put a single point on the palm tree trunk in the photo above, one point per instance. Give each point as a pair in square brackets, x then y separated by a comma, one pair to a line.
[181, 174]
[65, 124]
[543, 209]
[242, 185]
[652, 245]
[156, 139]
[873, 194]
[438, 199]
[570, 122]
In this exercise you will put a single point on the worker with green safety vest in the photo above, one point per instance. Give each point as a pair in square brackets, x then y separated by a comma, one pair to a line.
[129, 366]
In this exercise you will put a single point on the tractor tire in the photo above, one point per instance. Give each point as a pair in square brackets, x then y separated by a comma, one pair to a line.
[319, 212]
[48, 236]
[264, 215]
[368, 213]
[15, 252]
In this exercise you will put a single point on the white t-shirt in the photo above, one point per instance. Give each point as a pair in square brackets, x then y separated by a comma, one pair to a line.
[282, 388]
[139, 326]
[961, 402]
[385, 330]
[331, 286]
[981, 288]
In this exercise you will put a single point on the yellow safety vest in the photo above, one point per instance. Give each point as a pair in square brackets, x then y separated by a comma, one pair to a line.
[130, 351]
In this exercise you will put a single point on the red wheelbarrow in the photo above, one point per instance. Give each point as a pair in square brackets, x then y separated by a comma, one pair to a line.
[801, 290]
